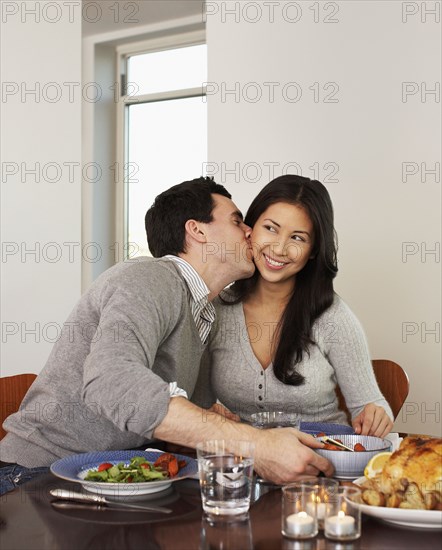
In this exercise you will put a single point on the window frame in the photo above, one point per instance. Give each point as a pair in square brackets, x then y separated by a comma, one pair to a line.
[123, 53]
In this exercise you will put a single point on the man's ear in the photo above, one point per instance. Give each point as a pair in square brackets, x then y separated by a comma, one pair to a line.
[195, 230]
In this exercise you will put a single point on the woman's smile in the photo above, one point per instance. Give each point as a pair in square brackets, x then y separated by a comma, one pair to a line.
[273, 264]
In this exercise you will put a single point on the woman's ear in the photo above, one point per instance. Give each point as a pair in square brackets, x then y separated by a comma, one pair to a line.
[195, 230]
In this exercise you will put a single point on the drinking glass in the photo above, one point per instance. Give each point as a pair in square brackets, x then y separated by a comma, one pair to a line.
[226, 472]
[325, 490]
[342, 520]
[275, 419]
[299, 511]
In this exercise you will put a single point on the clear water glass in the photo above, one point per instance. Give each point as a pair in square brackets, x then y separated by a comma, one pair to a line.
[226, 474]
[275, 419]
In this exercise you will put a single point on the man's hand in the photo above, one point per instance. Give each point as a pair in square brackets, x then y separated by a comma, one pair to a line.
[285, 454]
[282, 455]
[373, 420]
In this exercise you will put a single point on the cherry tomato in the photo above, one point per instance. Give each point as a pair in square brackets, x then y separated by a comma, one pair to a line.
[331, 447]
[104, 466]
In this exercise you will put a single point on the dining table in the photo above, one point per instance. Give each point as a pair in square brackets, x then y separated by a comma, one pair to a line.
[30, 521]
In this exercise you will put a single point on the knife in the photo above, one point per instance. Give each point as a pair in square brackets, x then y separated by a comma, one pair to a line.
[72, 505]
[63, 494]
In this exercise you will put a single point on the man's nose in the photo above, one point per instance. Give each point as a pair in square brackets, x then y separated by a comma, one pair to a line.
[247, 230]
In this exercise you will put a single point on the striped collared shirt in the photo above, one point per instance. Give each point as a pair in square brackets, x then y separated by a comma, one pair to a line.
[203, 311]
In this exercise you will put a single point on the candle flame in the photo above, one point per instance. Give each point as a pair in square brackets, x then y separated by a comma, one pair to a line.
[302, 514]
[341, 514]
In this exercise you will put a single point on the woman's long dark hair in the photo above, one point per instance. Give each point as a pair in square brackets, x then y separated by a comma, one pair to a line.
[313, 292]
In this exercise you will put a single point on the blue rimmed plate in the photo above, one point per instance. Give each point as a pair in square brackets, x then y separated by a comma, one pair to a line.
[75, 468]
[315, 428]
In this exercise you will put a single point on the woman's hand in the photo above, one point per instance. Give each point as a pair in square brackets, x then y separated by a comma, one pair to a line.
[220, 409]
[373, 420]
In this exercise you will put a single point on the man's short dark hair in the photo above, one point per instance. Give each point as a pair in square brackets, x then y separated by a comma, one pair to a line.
[166, 218]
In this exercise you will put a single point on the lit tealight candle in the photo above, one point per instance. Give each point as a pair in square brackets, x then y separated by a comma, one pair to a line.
[320, 510]
[340, 525]
[300, 525]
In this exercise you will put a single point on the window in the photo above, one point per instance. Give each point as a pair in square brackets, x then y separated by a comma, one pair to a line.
[162, 125]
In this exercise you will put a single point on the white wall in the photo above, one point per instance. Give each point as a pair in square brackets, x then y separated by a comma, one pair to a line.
[104, 16]
[368, 134]
[387, 227]
[39, 288]
[70, 223]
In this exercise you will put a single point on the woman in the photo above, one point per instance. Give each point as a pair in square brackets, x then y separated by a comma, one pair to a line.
[284, 338]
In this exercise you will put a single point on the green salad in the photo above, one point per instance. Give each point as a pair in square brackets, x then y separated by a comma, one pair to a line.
[139, 470]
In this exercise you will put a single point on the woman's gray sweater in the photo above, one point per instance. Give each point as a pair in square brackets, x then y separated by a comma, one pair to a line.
[340, 355]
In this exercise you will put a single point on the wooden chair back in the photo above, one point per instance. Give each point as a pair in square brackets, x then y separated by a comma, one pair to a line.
[12, 391]
[392, 381]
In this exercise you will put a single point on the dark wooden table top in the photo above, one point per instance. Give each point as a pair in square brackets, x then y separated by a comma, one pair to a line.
[28, 521]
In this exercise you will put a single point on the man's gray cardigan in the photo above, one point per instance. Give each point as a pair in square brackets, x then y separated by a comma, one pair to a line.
[106, 382]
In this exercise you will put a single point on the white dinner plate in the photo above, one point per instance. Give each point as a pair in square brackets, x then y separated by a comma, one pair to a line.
[75, 468]
[421, 519]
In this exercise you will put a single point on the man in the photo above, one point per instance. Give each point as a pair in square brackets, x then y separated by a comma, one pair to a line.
[127, 359]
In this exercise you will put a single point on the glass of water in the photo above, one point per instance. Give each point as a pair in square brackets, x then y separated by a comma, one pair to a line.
[266, 420]
[275, 419]
[226, 473]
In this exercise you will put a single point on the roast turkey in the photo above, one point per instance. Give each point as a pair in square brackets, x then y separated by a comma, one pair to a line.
[418, 460]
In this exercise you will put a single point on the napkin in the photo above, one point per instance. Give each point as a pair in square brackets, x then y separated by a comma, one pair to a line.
[395, 440]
